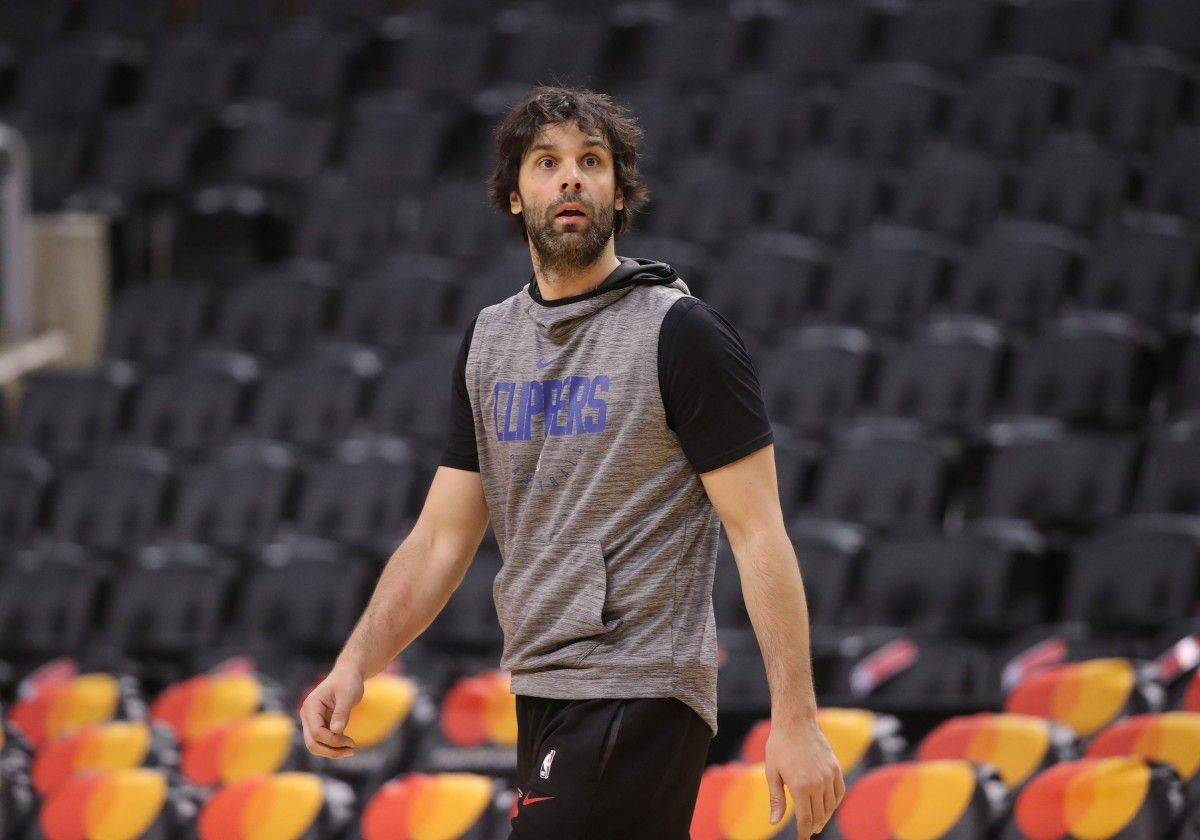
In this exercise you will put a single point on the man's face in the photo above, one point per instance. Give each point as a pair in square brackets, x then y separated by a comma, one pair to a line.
[566, 190]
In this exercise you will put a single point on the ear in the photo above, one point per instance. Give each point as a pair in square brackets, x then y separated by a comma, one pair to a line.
[514, 202]
[619, 202]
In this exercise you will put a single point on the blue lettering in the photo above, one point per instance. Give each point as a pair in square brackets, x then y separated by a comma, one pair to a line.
[571, 406]
[505, 388]
[552, 388]
[577, 389]
[596, 424]
[531, 406]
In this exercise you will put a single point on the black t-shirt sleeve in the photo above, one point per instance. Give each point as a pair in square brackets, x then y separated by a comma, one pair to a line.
[461, 450]
[710, 390]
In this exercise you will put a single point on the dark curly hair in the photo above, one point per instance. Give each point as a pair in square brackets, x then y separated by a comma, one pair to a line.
[592, 112]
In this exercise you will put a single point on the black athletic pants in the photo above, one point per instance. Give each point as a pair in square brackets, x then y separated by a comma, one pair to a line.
[609, 768]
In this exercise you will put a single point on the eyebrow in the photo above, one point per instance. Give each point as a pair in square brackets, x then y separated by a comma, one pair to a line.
[593, 143]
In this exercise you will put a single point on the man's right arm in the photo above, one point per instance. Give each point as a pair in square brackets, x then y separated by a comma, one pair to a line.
[415, 585]
[422, 573]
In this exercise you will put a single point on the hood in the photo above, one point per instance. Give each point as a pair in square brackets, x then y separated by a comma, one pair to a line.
[557, 318]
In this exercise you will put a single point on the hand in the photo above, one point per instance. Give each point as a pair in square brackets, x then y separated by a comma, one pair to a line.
[326, 711]
[800, 757]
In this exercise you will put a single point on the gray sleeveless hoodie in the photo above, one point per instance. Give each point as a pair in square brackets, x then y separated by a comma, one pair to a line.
[608, 539]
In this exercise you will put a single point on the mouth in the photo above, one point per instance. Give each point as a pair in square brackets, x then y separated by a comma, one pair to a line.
[571, 213]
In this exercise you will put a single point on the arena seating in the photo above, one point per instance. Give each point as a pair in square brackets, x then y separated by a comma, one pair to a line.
[960, 240]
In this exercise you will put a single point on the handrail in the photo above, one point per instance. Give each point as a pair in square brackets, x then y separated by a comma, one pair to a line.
[16, 293]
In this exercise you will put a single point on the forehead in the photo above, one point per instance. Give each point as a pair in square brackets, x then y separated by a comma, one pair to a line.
[566, 136]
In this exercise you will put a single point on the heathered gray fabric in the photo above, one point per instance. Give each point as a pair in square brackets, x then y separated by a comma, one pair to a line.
[608, 539]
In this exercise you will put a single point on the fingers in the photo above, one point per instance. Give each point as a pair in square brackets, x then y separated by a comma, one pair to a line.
[803, 818]
[816, 804]
[839, 786]
[775, 794]
[343, 701]
[319, 739]
[829, 802]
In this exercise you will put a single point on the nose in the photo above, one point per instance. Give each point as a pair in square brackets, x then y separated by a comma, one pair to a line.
[571, 177]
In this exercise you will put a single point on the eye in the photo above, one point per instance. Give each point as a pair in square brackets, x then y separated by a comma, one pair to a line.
[593, 158]
[543, 160]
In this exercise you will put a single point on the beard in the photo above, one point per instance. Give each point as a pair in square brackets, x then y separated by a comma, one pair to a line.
[569, 249]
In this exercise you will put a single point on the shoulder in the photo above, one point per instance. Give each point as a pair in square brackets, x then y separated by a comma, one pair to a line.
[693, 323]
[511, 305]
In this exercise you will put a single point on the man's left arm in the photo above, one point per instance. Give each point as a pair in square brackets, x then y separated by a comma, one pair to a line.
[745, 494]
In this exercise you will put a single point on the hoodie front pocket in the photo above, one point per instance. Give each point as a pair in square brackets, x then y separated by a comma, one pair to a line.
[550, 602]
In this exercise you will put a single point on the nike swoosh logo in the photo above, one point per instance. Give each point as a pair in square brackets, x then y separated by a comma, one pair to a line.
[543, 365]
[528, 800]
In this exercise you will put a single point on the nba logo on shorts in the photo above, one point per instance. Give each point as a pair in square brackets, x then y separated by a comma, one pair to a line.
[546, 762]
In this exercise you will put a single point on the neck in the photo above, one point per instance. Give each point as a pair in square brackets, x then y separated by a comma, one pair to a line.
[554, 283]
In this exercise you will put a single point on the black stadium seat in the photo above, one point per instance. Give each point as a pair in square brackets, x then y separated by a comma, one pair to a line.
[1008, 108]
[236, 500]
[393, 143]
[886, 474]
[1076, 183]
[399, 302]
[952, 585]
[113, 505]
[139, 155]
[1167, 23]
[1038, 471]
[1168, 481]
[68, 414]
[316, 401]
[60, 152]
[1149, 269]
[789, 272]
[169, 610]
[889, 277]
[347, 223]
[941, 33]
[136, 20]
[417, 60]
[305, 605]
[947, 375]
[231, 17]
[402, 403]
[1135, 97]
[27, 21]
[192, 72]
[758, 126]
[47, 604]
[155, 321]
[1173, 180]
[890, 110]
[24, 479]
[302, 66]
[558, 47]
[195, 406]
[1097, 368]
[827, 196]
[1140, 575]
[1019, 274]
[816, 40]
[273, 314]
[71, 80]
[673, 49]
[1069, 30]
[952, 191]
[362, 503]
[706, 202]
[817, 376]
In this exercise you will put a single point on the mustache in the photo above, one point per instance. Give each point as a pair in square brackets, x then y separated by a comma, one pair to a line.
[568, 199]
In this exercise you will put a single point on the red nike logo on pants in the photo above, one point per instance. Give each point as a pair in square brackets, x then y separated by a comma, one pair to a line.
[528, 800]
